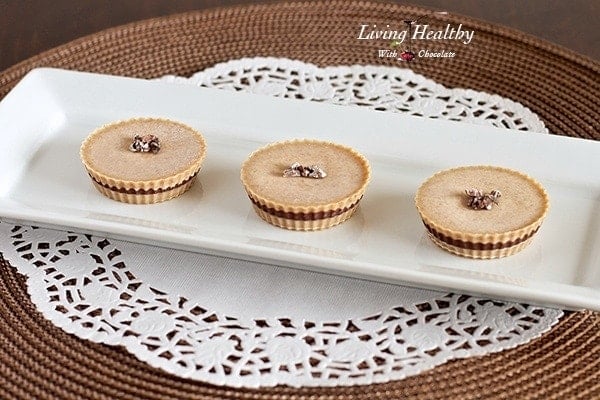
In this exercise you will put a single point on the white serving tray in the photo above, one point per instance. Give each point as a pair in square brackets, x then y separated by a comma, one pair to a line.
[47, 115]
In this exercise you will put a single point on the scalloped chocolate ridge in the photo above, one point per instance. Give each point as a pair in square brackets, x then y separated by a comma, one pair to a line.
[142, 191]
[300, 216]
[478, 245]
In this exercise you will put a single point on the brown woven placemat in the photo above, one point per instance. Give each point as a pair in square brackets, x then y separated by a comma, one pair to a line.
[38, 360]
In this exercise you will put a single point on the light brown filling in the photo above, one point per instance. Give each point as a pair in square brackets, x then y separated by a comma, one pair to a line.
[107, 151]
[442, 199]
[263, 173]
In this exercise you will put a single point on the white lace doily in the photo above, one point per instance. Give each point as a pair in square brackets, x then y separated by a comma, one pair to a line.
[376, 87]
[244, 324]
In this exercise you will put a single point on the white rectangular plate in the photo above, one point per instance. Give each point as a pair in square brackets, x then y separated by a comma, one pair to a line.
[46, 117]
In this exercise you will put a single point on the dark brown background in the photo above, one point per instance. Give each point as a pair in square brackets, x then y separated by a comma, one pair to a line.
[28, 27]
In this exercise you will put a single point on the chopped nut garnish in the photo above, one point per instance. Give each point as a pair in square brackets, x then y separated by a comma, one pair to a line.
[298, 170]
[145, 144]
[482, 201]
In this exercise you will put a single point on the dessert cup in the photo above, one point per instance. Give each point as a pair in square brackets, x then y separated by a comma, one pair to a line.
[463, 226]
[301, 202]
[143, 177]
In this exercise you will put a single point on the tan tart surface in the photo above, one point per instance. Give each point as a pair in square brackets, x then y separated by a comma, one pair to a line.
[441, 200]
[106, 154]
[348, 174]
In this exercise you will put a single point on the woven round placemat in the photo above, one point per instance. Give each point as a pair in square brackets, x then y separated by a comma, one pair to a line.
[38, 360]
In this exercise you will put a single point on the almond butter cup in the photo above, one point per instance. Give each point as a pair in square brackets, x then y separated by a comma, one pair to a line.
[503, 230]
[143, 177]
[304, 203]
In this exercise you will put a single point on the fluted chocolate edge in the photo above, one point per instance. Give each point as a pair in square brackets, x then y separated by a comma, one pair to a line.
[303, 216]
[479, 246]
